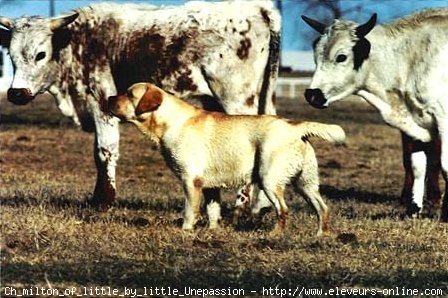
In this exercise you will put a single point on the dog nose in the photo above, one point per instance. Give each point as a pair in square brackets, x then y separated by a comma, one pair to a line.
[19, 96]
[315, 98]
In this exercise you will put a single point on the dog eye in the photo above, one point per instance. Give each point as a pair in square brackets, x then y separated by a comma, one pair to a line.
[341, 58]
[40, 56]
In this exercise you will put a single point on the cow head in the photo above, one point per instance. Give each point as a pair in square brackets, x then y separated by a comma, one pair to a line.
[339, 53]
[34, 44]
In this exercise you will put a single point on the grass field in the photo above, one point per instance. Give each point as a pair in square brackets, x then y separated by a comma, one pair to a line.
[49, 237]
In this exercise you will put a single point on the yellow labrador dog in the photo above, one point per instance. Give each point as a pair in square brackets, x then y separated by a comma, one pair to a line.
[210, 150]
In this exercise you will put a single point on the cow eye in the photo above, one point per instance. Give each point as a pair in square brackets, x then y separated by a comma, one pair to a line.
[40, 56]
[341, 58]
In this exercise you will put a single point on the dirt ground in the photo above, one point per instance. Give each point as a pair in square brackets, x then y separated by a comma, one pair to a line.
[49, 237]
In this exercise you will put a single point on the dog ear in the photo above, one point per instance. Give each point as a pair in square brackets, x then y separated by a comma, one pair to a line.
[150, 101]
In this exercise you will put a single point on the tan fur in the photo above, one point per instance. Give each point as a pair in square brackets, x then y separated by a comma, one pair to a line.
[214, 150]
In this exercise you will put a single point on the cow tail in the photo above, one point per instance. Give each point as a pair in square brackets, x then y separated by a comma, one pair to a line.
[328, 132]
[267, 102]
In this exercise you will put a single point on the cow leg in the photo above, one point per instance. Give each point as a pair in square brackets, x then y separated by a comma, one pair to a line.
[443, 132]
[212, 198]
[444, 215]
[106, 155]
[414, 162]
[406, 193]
[419, 161]
[432, 176]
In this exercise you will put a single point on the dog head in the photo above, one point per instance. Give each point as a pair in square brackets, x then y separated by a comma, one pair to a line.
[140, 99]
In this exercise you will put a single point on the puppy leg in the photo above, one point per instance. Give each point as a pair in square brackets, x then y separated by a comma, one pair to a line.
[307, 184]
[193, 191]
[309, 189]
[213, 200]
[312, 195]
[261, 201]
[276, 196]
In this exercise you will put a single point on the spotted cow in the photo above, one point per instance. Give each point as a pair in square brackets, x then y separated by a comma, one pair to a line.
[401, 69]
[225, 54]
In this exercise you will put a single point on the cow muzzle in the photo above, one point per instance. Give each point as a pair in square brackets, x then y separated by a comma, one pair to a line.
[20, 96]
[112, 105]
[315, 98]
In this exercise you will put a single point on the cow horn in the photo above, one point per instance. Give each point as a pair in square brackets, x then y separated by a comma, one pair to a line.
[63, 21]
[364, 29]
[316, 25]
[7, 23]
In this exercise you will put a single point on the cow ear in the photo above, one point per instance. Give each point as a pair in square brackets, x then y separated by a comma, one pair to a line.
[361, 52]
[150, 101]
[60, 39]
[364, 29]
[5, 38]
[57, 23]
[316, 25]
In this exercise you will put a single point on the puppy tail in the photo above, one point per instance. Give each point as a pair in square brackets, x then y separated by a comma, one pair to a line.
[328, 132]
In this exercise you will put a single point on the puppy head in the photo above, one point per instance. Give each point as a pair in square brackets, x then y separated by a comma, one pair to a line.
[141, 98]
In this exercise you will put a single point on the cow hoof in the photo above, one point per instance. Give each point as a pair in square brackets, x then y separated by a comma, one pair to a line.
[99, 204]
[413, 211]
[214, 226]
[430, 212]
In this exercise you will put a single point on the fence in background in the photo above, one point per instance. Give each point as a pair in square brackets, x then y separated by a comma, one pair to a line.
[291, 87]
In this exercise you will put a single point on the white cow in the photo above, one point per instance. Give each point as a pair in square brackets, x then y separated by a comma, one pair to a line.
[400, 68]
[225, 54]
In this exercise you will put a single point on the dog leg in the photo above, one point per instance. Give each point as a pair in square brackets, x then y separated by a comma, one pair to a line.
[193, 191]
[261, 202]
[307, 185]
[277, 198]
[213, 200]
[312, 195]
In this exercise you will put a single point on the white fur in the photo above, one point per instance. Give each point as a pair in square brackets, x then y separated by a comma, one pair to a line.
[419, 170]
[405, 76]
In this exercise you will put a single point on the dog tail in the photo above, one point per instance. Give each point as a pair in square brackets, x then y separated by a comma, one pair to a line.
[328, 132]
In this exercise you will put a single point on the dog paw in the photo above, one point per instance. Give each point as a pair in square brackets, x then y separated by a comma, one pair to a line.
[278, 230]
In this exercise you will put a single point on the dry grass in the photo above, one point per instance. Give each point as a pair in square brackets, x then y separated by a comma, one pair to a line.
[50, 237]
